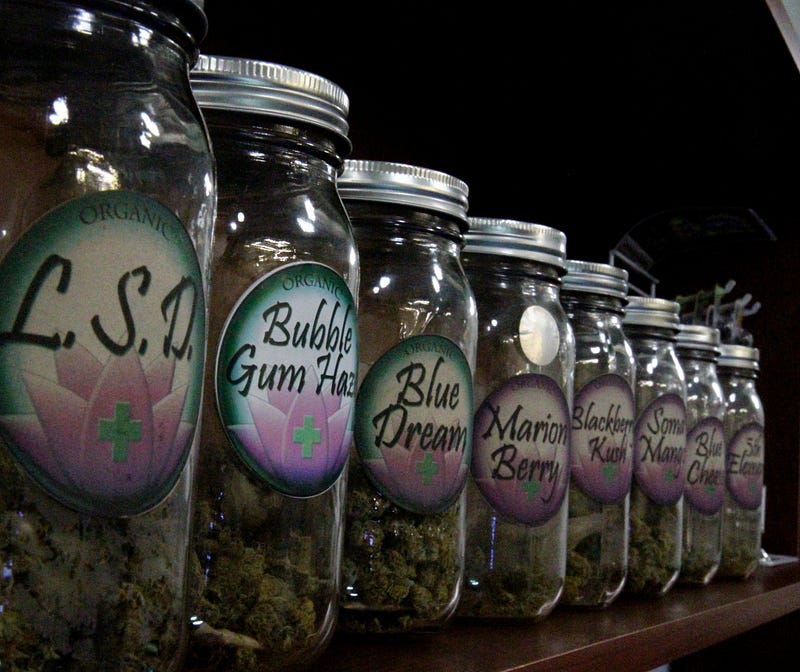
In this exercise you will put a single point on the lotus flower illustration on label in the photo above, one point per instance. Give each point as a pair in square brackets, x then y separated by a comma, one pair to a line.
[660, 449]
[705, 470]
[102, 338]
[414, 423]
[286, 376]
[745, 465]
[521, 448]
[602, 438]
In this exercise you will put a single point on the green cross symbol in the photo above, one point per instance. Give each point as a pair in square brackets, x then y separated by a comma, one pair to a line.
[531, 487]
[427, 467]
[670, 475]
[609, 471]
[307, 435]
[710, 488]
[120, 430]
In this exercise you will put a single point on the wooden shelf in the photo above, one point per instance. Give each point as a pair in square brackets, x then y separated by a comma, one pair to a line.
[631, 635]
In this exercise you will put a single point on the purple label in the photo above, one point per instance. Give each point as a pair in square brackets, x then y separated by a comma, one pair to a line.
[602, 432]
[745, 465]
[521, 451]
[705, 470]
[660, 449]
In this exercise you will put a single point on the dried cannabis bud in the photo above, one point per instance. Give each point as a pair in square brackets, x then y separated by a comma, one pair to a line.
[77, 589]
[654, 556]
[399, 564]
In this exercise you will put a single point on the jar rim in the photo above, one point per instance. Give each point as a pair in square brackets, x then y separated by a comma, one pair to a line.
[404, 184]
[516, 238]
[260, 87]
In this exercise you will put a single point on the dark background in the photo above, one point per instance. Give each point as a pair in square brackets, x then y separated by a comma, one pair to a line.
[590, 117]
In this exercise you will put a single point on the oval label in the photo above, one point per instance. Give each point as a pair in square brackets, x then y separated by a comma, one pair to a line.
[102, 339]
[602, 438]
[660, 449]
[705, 466]
[285, 377]
[745, 465]
[414, 423]
[521, 448]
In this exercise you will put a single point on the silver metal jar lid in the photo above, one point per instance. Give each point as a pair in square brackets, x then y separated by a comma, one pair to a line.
[595, 278]
[738, 357]
[258, 87]
[648, 311]
[388, 182]
[514, 238]
[699, 337]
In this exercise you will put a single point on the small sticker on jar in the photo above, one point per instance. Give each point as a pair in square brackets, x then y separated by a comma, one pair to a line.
[521, 448]
[538, 335]
[414, 423]
[286, 376]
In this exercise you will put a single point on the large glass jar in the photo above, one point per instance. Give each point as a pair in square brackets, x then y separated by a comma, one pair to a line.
[282, 366]
[659, 447]
[704, 490]
[106, 203]
[517, 494]
[594, 296]
[744, 467]
[404, 536]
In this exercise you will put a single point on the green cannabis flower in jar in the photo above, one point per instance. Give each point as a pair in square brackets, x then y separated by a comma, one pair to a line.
[517, 493]
[594, 296]
[659, 441]
[403, 555]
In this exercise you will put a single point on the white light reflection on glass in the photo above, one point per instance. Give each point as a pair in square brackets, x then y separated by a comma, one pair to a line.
[383, 283]
[83, 22]
[150, 130]
[142, 37]
[60, 113]
[233, 225]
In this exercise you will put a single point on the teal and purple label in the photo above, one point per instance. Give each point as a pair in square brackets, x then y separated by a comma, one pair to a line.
[521, 448]
[102, 340]
[413, 426]
[286, 376]
[745, 465]
[660, 449]
[602, 438]
[705, 466]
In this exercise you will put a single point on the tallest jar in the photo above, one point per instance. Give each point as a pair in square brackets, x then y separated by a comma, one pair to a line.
[106, 202]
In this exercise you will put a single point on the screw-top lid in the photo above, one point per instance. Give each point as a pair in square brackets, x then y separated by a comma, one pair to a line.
[738, 357]
[514, 238]
[595, 278]
[648, 311]
[388, 182]
[699, 337]
[258, 87]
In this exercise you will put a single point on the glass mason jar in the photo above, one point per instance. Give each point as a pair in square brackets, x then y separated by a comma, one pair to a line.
[281, 377]
[404, 530]
[744, 467]
[704, 490]
[659, 447]
[106, 203]
[604, 409]
[517, 494]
